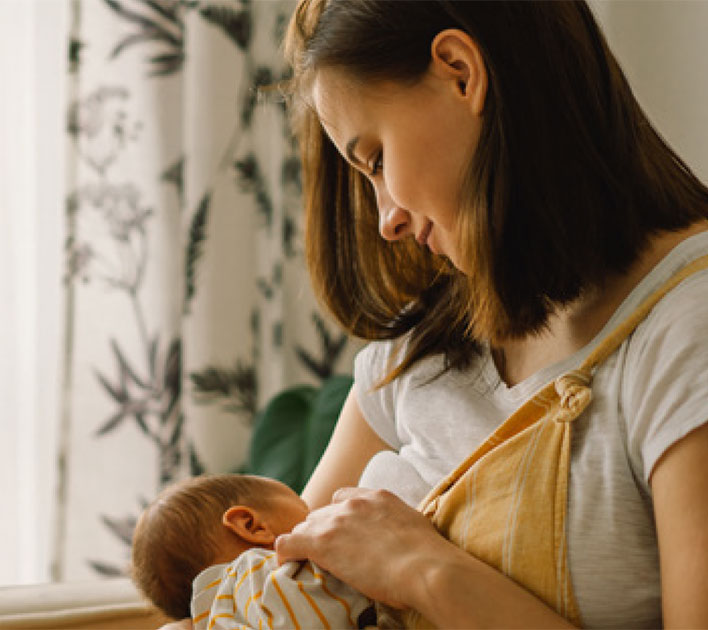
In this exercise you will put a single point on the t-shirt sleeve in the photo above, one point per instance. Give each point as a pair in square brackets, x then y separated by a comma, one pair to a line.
[666, 375]
[377, 405]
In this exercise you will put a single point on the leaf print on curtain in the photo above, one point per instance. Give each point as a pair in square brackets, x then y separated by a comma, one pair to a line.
[188, 305]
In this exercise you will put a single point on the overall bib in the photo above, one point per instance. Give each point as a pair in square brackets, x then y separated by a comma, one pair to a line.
[506, 503]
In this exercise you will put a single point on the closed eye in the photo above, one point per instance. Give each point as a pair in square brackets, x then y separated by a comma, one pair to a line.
[378, 164]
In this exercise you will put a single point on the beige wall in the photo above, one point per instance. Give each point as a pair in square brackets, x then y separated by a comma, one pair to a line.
[663, 49]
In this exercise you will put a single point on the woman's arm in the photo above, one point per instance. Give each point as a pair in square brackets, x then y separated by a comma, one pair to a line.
[679, 484]
[376, 543]
[352, 445]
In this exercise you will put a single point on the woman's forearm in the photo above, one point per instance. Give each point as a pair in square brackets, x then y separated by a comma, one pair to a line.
[342, 464]
[460, 591]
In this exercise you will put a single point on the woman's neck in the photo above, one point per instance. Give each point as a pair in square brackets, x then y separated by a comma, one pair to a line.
[573, 327]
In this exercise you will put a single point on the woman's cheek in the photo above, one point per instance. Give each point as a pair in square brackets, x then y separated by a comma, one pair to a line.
[401, 195]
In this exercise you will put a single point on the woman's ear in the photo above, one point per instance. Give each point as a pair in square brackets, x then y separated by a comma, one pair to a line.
[456, 57]
[249, 525]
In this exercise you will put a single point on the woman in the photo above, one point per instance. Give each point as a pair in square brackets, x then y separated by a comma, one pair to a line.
[527, 207]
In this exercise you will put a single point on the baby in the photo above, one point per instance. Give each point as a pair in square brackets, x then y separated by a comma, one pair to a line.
[204, 548]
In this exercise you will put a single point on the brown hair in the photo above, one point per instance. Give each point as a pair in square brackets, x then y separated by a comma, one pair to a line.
[568, 182]
[176, 536]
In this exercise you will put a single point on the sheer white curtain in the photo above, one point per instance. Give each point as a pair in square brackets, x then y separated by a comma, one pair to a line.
[189, 304]
[32, 60]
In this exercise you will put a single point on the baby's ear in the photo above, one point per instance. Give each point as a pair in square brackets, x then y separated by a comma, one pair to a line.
[248, 525]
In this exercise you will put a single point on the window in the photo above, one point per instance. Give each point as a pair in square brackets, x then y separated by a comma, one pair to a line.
[32, 78]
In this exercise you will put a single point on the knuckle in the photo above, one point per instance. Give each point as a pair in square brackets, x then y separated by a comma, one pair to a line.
[337, 523]
[355, 503]
[382, 495]
[339, 494]
[324, 540]
[357, 506]
[329, 534]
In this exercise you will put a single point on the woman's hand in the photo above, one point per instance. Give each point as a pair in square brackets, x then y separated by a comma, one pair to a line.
[391, 553]
[370, 540]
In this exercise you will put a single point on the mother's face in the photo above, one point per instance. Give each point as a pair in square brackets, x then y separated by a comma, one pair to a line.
[413, 143]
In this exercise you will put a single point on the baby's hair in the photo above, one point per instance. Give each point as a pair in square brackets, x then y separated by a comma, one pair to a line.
[176, 536]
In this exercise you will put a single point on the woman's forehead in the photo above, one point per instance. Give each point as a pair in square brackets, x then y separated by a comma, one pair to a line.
[340, 104]
[330, 89]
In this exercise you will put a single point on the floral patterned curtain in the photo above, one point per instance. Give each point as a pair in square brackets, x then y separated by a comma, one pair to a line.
[187, 302]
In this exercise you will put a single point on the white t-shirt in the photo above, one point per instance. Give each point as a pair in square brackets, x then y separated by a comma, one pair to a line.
[647, 395]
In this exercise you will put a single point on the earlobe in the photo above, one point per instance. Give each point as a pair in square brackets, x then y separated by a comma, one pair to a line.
[457, 57]
[248, 525]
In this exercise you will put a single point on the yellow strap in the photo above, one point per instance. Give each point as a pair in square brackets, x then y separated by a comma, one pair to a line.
[618, 335]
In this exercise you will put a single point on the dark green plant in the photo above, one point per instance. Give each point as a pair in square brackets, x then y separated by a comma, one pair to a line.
[291, 433]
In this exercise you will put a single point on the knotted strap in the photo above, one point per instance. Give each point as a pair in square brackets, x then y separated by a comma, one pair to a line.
[574, 394]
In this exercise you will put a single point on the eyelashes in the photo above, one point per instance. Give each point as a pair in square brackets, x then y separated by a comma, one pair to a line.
[378, 164]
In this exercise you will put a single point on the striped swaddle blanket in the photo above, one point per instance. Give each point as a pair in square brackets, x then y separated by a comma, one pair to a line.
[253, 592]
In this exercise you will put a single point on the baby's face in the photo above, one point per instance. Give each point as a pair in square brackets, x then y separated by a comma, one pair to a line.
[285, 507]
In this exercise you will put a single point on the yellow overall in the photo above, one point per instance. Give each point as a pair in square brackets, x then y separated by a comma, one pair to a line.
[506, 503]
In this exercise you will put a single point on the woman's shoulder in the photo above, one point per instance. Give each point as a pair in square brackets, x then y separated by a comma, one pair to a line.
[680, 317]
[682, 298]
[687, 303]
[376, 359]
[671, 344]
[664, 389]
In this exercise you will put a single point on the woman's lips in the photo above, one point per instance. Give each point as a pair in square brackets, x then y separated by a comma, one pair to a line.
[422, 237]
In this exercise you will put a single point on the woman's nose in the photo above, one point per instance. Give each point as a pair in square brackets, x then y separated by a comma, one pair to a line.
[394, 223]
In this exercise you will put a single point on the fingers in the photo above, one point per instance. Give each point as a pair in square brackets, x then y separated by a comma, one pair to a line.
[309, 536]
[322, 530]
[285, 550]
[293, 546]
[342, 494]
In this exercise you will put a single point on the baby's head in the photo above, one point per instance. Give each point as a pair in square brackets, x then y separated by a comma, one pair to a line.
[203, 521]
